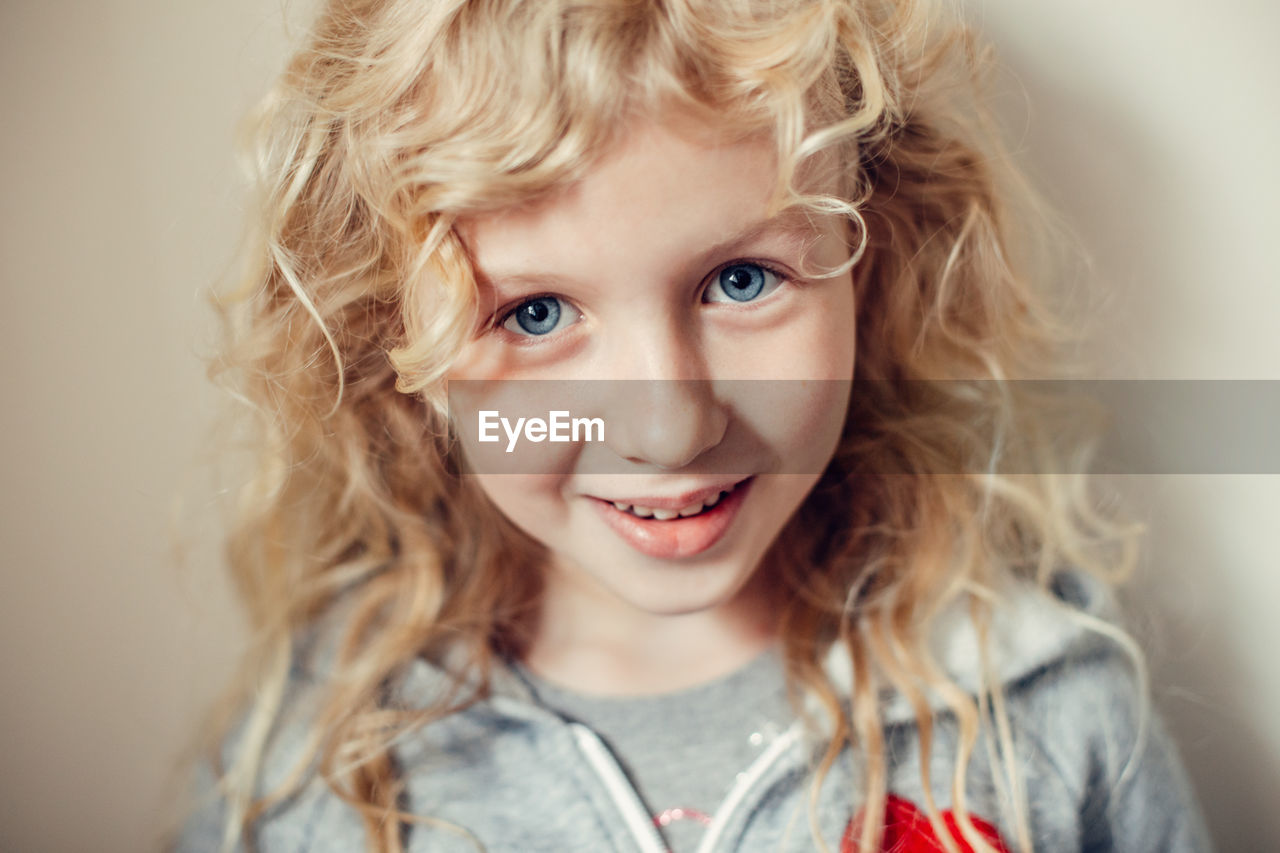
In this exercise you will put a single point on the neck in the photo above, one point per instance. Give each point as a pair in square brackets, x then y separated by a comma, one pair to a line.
[607, 650]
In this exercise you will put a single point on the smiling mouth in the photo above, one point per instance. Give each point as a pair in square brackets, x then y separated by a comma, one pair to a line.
[690, 510]
[683, 528]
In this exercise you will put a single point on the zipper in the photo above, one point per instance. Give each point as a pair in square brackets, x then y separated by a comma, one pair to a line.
[634, 814]
[745, 783]
[637, 818]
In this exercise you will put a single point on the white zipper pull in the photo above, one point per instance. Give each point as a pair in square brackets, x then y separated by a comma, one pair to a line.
[635, 816]
[746, 781]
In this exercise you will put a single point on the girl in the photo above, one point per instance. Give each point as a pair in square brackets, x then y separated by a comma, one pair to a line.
[792, 594]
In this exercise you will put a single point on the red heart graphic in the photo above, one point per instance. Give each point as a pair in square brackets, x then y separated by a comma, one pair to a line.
[907, 830]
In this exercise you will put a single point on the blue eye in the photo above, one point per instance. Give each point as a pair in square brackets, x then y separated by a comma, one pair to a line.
[742, 282]
[538, 316]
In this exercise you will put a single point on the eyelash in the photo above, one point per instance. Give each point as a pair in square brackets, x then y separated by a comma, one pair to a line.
[505, 314]
[499, 319]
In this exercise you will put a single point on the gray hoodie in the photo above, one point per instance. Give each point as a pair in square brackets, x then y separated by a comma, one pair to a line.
[510, 775]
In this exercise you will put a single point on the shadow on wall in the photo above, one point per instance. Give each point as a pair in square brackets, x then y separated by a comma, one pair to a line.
[1123, 194]
[1181, 607]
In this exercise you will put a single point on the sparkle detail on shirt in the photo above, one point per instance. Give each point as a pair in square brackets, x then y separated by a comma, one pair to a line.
[666, 817]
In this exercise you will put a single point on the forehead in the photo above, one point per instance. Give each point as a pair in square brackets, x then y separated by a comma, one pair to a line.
[664, 188]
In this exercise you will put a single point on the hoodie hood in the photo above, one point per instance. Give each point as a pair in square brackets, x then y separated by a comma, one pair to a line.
[1031, 629]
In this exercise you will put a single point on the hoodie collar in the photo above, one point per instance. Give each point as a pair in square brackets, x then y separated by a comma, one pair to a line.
[1031, 628]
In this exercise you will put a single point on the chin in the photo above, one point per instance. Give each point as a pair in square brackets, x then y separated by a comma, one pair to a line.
[679, 590]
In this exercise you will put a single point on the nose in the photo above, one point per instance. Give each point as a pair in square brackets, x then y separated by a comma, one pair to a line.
[665, 412]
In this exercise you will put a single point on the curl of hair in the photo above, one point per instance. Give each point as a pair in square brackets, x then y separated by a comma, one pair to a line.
[396, 118]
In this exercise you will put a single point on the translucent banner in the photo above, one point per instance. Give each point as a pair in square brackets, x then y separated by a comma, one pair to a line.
[744, 427]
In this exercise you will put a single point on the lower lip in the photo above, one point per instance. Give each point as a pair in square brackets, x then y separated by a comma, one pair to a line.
[678, 537]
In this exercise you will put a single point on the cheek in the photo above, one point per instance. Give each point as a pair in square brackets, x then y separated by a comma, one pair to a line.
[815, 339]
[531, 502]
[524, 478]
[799, 409]
[507, 428]
[834, 332]
[797, 423]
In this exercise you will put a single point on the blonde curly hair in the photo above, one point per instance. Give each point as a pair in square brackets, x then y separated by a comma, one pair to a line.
[394, 119]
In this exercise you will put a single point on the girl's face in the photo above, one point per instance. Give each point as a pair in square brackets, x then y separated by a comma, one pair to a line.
[663, 265]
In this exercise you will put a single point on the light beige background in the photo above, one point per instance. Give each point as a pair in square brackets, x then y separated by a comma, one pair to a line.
[1152, 125]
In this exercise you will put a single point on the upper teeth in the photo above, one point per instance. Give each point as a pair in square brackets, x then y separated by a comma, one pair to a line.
[668, 514]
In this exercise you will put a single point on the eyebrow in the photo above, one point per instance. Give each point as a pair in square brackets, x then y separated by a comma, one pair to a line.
[792, 224]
